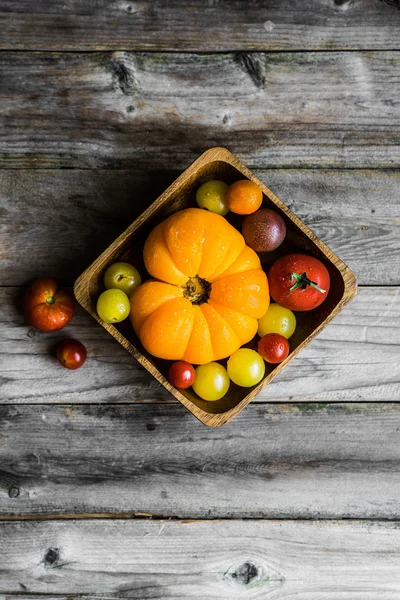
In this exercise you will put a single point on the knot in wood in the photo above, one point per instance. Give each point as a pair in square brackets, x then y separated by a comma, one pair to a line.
[253, 574]
[51, 557]
[122, 69]
[245, 573]
[343, 5]
[251, 65]
[13, 492]
[395, 3]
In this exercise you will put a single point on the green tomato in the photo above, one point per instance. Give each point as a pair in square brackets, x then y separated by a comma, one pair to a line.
[212, 381]
[246, 367]
[277, 319]
[211, 195]
[122, 276]
[113, 306]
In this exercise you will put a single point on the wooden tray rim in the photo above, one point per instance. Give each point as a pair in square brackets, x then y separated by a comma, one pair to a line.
[81, 286]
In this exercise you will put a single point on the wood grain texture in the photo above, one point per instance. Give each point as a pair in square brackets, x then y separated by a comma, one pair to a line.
[57, 222]
[273, 461]
[217, 559]
[126, 109]
[356, 358]
[63, 219]
[156, 113]
[189, 25]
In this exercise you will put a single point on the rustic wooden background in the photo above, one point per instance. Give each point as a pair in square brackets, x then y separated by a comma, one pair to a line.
[109, 488]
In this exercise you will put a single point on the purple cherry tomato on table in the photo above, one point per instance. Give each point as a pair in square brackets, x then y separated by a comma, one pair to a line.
[71, 354]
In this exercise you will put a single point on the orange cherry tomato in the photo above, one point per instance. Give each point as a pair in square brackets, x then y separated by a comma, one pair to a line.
[243, 197]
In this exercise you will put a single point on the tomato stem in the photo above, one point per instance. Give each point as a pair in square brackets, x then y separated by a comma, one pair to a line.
[197, 290]
[302, 281]
[50, 300]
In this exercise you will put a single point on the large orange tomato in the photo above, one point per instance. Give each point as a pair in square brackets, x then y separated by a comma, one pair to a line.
[208, 292]
[46, 307]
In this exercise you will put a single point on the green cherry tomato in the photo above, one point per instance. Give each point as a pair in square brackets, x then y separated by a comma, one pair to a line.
[211, 195]
[246, 367]
[277, 319]
[122, 276]
[212, 381]
[113, 306]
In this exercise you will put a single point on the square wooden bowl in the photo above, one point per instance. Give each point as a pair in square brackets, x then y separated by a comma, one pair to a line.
[216, 163]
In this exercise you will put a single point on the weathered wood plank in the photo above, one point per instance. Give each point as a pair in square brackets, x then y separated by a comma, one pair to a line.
[58, 222]
[123, 109]
[190, 25]
[225, 559]
[356, 358]
[272, 461]
[62, 220]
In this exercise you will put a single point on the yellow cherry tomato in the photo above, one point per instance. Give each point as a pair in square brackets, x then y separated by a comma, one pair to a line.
[211, 196]
[277, 319]
[212, 381]
[113, 306]
[246, 367]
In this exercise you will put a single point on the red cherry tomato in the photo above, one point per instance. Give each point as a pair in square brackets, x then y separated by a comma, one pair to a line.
[71, 354]
[298, 282]
[46, 307]
[181, 374]
[273, 347]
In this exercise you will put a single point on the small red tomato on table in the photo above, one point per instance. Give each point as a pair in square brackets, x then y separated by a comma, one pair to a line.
[274, 348]
[46, 307]
[299, 282]
[181, 374]
[71, 354]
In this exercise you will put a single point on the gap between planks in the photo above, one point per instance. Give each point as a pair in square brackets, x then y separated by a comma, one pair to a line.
[145, 517]
[199, 52]
[256, 170]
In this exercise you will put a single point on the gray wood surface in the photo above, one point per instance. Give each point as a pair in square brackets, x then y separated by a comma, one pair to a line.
[357, 357]
[98, 465]
[59, 221]
[215, 559]
[192, 25]
[63, 219]
[273, 461]
[121, 109]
